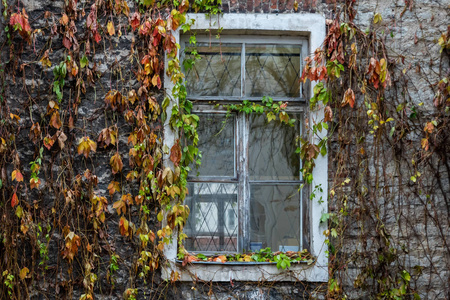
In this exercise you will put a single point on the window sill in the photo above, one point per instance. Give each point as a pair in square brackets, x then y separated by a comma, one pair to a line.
[245, 271]
[239, 263]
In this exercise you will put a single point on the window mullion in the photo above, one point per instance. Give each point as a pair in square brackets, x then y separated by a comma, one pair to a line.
[244, 191]
[301, 70]
[243, 70]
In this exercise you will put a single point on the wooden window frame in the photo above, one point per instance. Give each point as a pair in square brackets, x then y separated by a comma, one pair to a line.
[203, 104]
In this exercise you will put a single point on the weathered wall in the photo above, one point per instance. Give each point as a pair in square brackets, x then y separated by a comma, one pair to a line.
[416, 222]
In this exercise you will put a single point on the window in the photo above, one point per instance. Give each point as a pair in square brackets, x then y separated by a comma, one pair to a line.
[245, 194]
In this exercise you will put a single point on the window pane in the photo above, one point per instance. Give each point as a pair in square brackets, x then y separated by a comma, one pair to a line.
[213, 223]
[216, 142]
[275, 217]
[217, 73]
[272, 70]
[272, 149]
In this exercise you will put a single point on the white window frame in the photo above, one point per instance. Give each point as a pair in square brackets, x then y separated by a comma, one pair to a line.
[311, 26]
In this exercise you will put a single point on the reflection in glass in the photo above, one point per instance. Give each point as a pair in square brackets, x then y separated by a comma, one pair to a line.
[272, 70]
[275, 216]
[217, 73]
[216, 142]
[272, 149]
[212, 224]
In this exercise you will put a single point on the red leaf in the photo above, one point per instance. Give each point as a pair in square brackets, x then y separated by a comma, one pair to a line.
[135, 20]
[14, 200]
[67, 43]
[97, 37]
[21, 21]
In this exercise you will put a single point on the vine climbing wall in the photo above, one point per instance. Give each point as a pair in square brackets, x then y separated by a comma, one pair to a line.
[83, 161]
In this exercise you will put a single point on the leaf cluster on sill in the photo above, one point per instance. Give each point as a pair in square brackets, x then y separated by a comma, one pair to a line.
[282, 259]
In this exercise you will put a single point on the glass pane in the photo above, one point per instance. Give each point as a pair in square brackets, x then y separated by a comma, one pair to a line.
[272, 70]
[213, 222]
[217, 73]
[216, 142]
[272, 149]
[275, 217]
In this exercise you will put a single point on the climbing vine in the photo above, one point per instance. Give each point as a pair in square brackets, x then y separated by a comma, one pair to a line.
[67, 187]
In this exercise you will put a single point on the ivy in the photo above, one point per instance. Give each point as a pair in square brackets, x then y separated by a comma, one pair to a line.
[52, 201]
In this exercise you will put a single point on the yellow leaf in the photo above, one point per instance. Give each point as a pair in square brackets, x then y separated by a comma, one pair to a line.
[45, 61]
[116, 163]
[86, 145]
[377, 18]
[23, 273]
[110, 28]
[19, 212]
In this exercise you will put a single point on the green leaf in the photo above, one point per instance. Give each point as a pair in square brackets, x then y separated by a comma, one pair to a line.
[334, 232]
[391, 133]
[324, 218]
[147, 2]
[84, 61]
[406, 276]
[271, 116]
[160, 216]
[202, 256]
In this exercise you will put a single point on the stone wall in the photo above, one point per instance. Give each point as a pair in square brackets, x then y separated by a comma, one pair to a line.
[416, 221]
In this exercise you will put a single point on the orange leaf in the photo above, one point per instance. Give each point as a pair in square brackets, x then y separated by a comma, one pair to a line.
[349, 98]
[328, 114]
[16, 175]
[429, 127]
[175, 153]
[34, 183]
[64, 20]
[123, 226]
[116, 163]
[14, 117]
[74, 69]
[425, 144]
[14, 200]
[113, 187]
[48, 142]
[220, 258]
[55, 121]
